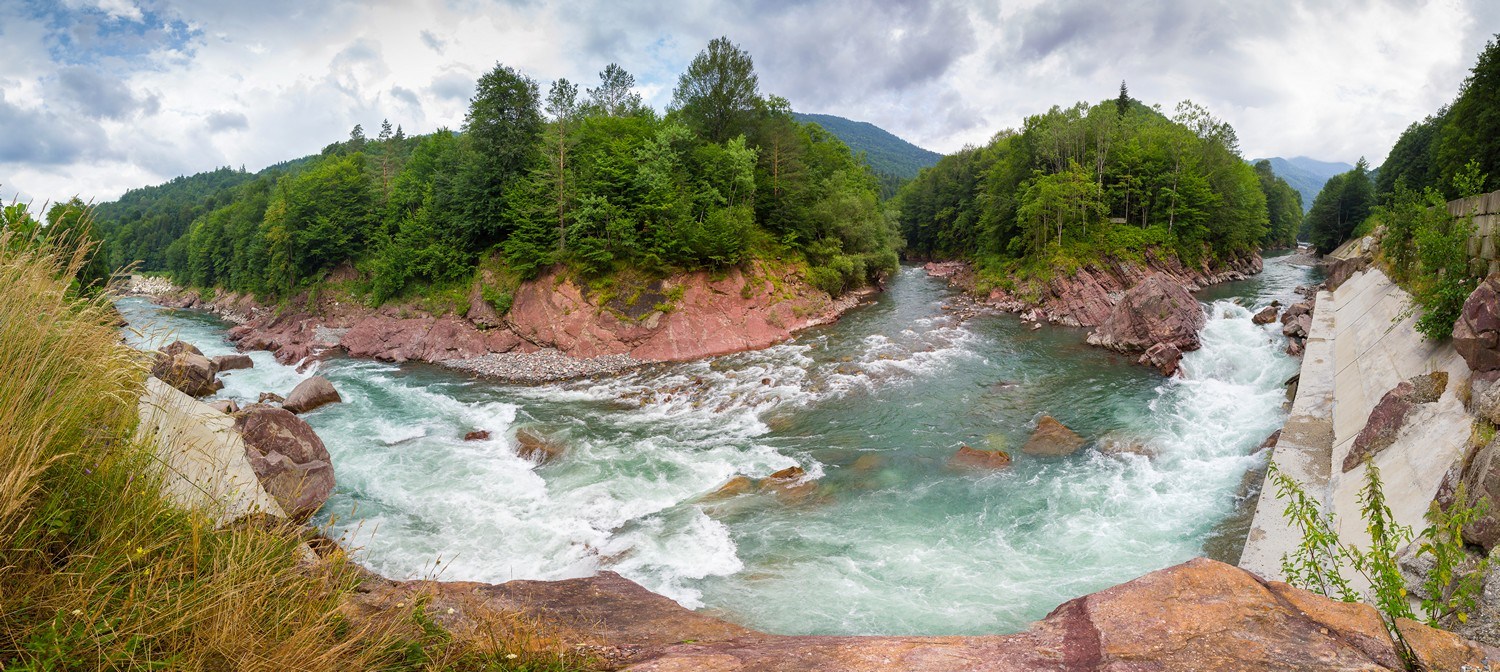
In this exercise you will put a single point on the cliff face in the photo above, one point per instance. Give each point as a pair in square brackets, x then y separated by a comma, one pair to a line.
[1086, 297]
[684, 317]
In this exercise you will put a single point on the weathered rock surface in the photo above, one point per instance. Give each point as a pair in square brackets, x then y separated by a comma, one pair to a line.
[270, 398]
[233, 362]
[1343, 269]
[225, 406]
[1200, 615]
[477, 435]
[1086, 298]
[187, 370]
[1298, 327]
[1476, 335]
[1052, 439]
[973, 458]
[178, 347]
[1481, 479]
[310, 394]
[1266, 315]
[1390, 413]
[1163, 357]
[424, 339]
[288, 457]
[1156, 311]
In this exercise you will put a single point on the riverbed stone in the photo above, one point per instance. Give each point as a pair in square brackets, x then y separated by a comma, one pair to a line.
[288, 457]
[533, 445]
[1052, 439]
[1476, 334]
[1163, 357]
[188, 371]
[1157, 311]
[233, 362]
[1266, 315]
[973, 458]
[311, 394]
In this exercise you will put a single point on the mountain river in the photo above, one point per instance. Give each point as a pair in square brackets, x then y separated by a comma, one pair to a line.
[887, 539]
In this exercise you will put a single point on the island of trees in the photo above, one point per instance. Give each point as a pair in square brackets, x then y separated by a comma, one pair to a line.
[590, 180]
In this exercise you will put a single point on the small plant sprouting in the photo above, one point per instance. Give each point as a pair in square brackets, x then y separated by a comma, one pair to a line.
[1451, 588]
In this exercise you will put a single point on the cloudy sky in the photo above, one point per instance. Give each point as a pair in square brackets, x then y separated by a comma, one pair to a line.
[99, 96]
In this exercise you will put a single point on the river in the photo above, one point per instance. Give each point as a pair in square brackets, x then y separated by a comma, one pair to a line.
[887, 540]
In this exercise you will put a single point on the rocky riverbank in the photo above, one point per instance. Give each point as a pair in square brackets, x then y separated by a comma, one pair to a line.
[555, 328]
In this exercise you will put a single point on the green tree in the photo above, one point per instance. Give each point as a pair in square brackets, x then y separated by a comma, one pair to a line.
[1472, 126]
[719, 94]
[502, 131]
[562, 104]
[70, 227]
[615, 96]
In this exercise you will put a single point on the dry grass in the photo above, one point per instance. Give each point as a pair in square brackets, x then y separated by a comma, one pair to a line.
[97, 571]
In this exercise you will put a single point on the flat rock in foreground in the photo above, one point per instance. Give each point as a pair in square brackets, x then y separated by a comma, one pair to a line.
[1200, 615]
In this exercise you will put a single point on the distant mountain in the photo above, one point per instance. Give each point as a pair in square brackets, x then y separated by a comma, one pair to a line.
[1306, 175]
[884, 152]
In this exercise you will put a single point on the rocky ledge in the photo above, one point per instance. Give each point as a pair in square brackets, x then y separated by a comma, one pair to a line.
[1200, 615]
[555, 328]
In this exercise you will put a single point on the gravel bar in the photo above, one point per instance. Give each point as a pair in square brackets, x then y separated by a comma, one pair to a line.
[542, 366]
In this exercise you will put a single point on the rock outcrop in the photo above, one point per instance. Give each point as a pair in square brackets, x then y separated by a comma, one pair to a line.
[1158, 311]
[1200, 615]
[1481, 480]
[1266, 315]
[310, 394]
[1163, 357]
[1476, 335]
[233, 362]
[288, 458]
[1052, 439]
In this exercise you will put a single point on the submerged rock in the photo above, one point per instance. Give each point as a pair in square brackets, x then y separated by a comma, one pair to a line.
[1052, 439]
[477, 435]
[1476, 335]
[1163, 357]
[537, 447]
[973, 458]
[1156, 311]
[310, 394]
[288, 457]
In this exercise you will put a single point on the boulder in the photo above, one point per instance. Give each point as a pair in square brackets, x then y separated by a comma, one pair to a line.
[868, 462]
[1297, 310]
[1266, 315]
[187, 371]
[288, 458]
[1436, 649]
[537, 447]
[1389, 415]
[1476, 335]
[270, 398]
[1163, 357]
[179, 347]
[1484, 395]
[225, 406]
[739, 485]
[1343, 269]
[310, 394]
[477, 435]
[1295, 347]
[1156, 311]
[1297, 327]
[233, 362]
[1052, 439]
[1481, 479]
[973, 458]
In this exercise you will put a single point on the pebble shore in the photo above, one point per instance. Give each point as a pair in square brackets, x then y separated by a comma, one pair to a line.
[542, 366]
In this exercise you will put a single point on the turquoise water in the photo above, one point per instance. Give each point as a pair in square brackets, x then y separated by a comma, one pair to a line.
[893, 543]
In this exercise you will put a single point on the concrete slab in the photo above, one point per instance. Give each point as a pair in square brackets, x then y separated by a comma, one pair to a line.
[202, 457]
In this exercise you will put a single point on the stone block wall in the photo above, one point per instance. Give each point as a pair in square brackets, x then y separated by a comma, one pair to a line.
[1486, 210]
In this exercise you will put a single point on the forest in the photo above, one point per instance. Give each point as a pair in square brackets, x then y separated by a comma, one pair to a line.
[590, 180]
[1075, 184]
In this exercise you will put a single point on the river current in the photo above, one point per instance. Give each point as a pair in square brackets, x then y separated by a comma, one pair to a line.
[887, 540]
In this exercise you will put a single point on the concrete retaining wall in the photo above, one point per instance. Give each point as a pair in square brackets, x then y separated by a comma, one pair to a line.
[1361, 345]
[1486, 211]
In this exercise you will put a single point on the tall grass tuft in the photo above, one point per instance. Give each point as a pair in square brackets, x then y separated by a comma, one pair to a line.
[98, 571]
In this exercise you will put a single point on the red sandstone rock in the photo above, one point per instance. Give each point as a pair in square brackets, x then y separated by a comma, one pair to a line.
[537, 447]
[1389, 415]
[1199, 615]
[1341, 270]
[188, 371]
[288, 458]
[1164, 357]
[477, 435]
[1476, 335]
[1266, 315]
[1052, 439]
[310, 394]
[1156, 311]
[233, 362]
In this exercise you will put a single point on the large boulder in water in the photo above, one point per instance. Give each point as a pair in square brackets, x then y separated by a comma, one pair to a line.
[288, 457]
[1266, 315]
[1163, 357]
[1158, 310]
[974, 458]
[1052, 439]
[310, 394]
[1476, 335]
[188, 371]
[233, 362]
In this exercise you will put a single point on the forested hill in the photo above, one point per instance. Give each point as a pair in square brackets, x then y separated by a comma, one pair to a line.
[885, 153]
[1115, 180]
[589, 179]
[1306, 175]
